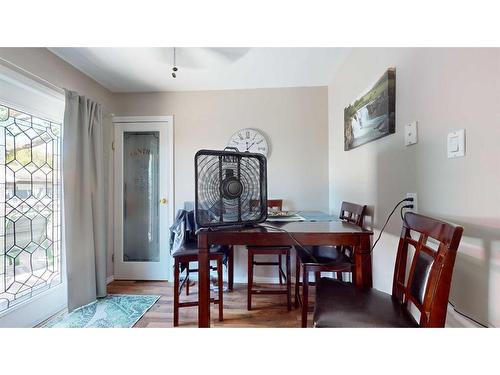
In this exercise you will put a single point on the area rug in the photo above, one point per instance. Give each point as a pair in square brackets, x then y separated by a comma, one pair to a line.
[112, 311]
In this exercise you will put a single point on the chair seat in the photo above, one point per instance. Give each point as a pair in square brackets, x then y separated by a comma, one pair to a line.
[191, 250]
[340, 304]
[325, 255]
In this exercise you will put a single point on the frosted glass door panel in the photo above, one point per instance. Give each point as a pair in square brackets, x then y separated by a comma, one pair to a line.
[141, 197]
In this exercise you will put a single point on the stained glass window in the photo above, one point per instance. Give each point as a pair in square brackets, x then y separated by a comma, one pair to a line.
[30, 206]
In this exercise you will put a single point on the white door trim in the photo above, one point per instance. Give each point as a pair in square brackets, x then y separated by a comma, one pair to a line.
[124, 119]
[168, 121]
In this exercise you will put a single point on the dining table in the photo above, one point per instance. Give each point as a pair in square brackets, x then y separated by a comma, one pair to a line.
[309, 228]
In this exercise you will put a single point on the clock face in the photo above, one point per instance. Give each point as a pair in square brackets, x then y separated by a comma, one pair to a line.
[250, 140]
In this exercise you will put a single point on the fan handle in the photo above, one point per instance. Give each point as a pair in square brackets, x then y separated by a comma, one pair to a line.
[231, 148]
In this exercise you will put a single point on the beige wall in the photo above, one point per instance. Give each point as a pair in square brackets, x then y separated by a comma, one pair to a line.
[295, 120]
[444, 90]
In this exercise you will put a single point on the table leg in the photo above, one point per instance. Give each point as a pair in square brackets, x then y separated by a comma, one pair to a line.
[305, 295]
[176, 292]
[362, 273]
[203, 281]
[297, 281]
[288, 283]
[230, 269]
[249, 279]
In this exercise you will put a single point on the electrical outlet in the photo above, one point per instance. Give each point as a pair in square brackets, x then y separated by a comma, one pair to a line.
[415, 201]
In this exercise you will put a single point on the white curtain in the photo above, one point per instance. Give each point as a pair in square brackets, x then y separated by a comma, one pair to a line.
[84, 200]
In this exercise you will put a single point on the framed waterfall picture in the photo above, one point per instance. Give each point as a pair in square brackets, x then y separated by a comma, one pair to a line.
[373, 114]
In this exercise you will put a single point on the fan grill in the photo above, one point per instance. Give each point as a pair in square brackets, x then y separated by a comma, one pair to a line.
[230, 188]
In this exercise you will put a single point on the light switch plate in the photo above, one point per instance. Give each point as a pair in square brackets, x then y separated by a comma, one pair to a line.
[456, 144]
[411, 134]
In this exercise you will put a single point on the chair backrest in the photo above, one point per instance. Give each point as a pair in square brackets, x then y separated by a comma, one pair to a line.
[270, 203]
[275, 203]
[426, 284]
[353, 213]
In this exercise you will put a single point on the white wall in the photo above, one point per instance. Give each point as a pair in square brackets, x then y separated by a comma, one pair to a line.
[295, 120]
[444, 90]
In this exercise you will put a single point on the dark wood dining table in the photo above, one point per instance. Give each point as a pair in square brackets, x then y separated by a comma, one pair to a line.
[316, 229]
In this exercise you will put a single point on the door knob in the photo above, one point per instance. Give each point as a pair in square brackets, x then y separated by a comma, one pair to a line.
[163, 201]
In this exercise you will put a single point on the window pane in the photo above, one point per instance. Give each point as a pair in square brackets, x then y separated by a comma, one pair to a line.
[30, 233]
[141, 196]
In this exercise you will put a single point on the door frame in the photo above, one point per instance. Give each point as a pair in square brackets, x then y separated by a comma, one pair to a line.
[168, 121]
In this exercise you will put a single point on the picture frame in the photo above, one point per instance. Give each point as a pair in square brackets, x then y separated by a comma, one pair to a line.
[373, 114]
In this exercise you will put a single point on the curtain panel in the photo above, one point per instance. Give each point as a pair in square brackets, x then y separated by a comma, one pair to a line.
[84, 182]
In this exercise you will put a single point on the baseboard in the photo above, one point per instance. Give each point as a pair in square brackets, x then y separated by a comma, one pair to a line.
[110, 279]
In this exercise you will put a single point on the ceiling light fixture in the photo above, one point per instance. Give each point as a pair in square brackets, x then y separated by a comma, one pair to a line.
[174, 69]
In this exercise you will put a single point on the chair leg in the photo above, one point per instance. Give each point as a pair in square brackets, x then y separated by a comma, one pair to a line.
[305, 295]
[176, 293]
[297, 280]
[230, 269]
[279, 269]
[288, 283]
[250, 280]
[220, 283]
[187, 280]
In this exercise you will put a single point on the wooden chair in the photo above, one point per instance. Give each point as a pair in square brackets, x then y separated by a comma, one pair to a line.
[278, 251]
[319, 259]
[354, 214]
[424, 288]
[230, 254]
[182, 260]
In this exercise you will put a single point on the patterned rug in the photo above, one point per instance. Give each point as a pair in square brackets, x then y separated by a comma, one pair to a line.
[112, 311]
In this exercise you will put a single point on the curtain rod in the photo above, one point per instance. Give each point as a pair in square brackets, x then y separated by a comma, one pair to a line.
[32, 75]
[39, 79]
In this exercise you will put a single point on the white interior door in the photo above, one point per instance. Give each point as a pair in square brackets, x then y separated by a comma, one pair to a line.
[143, 198]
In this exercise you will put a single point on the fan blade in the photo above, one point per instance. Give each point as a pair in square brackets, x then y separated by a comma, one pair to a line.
[229, 54]
[198, 58]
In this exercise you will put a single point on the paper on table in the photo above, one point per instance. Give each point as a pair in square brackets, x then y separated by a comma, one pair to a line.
[289, 218]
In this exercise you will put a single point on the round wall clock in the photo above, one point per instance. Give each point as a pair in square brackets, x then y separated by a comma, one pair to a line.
[250, 140]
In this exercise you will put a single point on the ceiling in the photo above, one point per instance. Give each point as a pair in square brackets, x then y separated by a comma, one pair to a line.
[150, 69]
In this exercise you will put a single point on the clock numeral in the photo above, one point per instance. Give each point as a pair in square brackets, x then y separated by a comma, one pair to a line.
[249, 140]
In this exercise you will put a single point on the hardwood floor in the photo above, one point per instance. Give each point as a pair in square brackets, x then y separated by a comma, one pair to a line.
[267, 310]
